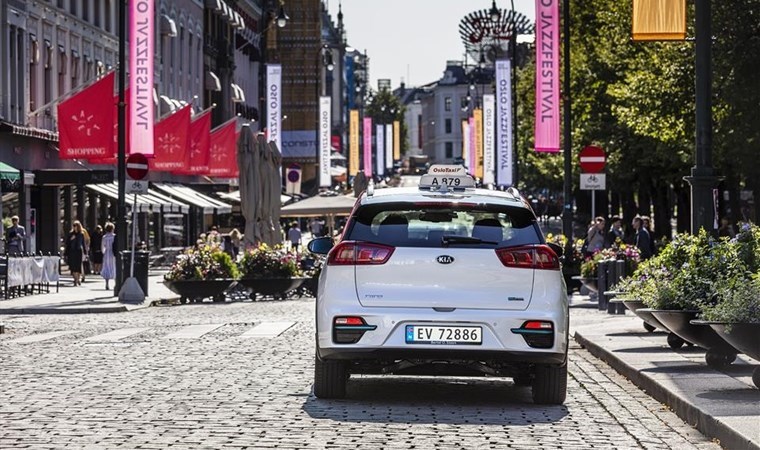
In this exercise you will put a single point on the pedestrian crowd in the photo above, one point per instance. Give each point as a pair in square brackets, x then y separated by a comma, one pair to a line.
[599, 236]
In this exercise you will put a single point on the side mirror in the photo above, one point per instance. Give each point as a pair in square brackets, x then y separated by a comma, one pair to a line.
[320, 246]
[557, 249]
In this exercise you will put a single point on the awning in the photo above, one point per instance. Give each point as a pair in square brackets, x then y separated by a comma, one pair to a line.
[151, 202]
[9, 173]
[238, 96]
[212, 81]
[167, 26]
[235, 197]
[195, 198]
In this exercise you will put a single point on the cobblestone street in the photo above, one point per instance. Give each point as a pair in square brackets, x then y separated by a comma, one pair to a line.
[239, 375]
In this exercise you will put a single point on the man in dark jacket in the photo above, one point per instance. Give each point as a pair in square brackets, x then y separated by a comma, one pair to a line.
[642, 239]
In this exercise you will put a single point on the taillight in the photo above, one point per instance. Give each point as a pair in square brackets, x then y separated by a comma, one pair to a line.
[529, 257]
[351, 253]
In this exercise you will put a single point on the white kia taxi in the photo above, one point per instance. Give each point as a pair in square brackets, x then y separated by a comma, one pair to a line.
[443, 279]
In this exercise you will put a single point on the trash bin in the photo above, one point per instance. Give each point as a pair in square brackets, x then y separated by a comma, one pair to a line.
[142, 261]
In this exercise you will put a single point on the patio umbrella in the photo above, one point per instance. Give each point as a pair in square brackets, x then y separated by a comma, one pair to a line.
[249, 193]
[276, 204]
[263, 185]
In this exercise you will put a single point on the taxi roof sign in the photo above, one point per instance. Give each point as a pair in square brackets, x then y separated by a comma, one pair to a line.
[446, 178]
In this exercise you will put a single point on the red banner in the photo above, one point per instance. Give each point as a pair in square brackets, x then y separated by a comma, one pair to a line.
[223, 154]
[171, 140]
[85, 122]
[196, 160]
[112, 160]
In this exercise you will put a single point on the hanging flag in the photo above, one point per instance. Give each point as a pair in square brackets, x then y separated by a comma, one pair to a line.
[325, 142]
[222, 161]
[396, 140]
[85, 122]
[171, 138]
[489, 130]
[547, 76]
[478, 124]
[380, 150]
[659, 20]
[353, 143]
[466, 143]
[389, 146]
[367, 147]
[504, 150]
[196, 160]
[274, 104]
[141, 44]
[112, 160]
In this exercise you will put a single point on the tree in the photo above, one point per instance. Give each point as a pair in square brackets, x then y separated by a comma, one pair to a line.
[384, 107]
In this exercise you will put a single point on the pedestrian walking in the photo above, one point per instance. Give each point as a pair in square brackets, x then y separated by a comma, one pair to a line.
[96, 249]
[294, 236]
[15, 237]
[595, 236]
[75, 251]
[642, 240]
[726, 229]
[615, 232]
[108, 249]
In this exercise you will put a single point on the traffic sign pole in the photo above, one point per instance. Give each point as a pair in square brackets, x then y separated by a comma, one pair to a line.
[137, 169]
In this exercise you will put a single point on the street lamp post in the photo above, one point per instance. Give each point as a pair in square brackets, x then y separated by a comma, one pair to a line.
[567, 211]
[280, 20]
[121, 203]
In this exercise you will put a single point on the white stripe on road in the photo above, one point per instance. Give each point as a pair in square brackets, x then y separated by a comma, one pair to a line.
[267, 329]
[193, 331]
[116, 335]
[42, 337]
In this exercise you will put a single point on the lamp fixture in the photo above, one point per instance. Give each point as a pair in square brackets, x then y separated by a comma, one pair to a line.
[282, 17]
[494, 12]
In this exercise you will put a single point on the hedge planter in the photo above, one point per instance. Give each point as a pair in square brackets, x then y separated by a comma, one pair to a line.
[719, 352]
[275, 288]
[744, 337]
[197, 290]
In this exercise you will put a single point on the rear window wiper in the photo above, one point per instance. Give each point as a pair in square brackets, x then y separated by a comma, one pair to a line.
[446, 240]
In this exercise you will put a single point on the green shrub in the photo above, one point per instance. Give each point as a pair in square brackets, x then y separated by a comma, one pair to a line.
[267, 262]
[739, 301]
[202, 263]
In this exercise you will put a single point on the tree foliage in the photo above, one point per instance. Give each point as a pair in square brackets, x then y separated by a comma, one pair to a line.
[384, 107]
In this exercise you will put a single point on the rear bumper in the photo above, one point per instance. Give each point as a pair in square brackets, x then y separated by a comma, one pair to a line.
[443, 354]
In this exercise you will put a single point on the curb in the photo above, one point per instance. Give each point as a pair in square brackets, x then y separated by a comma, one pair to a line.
[78, 310]
[688, 412]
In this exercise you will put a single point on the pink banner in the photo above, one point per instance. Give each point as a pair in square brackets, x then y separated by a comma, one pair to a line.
[368, 146]
[547, 76]
[473, 154]
[141, 51]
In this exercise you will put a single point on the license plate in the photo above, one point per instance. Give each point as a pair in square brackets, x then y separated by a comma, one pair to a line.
[424, 334]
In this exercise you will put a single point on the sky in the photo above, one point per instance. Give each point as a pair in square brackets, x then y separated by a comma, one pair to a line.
[411, 40]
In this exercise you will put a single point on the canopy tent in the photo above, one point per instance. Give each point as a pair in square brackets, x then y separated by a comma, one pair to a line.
[9, 173]
[336, 205]
[194, 198]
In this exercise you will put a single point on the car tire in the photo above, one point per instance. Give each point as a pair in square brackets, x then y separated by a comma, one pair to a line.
[550, 385]
[330, 378]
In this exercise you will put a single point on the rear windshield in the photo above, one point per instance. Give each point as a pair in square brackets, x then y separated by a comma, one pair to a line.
[444, 224]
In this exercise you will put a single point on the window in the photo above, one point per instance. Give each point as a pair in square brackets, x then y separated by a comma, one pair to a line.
[108, 19]
[449, 150]
[464, 102]
[62, 70]
[96, 13]
[447, 103]
[87, 68]
[447, 125]
[181, 49]
[74, 68]
[73, 7]
[86, 10]
[190, 51]
[48, 74]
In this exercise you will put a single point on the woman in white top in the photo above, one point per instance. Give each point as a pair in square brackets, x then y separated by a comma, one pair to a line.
[108, 270]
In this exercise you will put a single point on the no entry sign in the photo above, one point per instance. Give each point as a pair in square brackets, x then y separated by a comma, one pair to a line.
[137, 166]
[592, 159]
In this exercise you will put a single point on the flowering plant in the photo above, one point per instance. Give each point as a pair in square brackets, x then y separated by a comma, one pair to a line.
[267, 262]
[204, 262]
[561, 240]
[619, 251]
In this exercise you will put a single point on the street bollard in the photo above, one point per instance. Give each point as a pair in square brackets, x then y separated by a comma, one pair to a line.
[601, 285]
[612, 277]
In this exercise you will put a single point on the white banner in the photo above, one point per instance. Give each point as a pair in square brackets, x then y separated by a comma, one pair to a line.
[489, 136]
[380, 149]
[274, 104]
[466, 143]
[141, 44]
[504, 131]
[389, 146]
[593, 181]
[325, 179]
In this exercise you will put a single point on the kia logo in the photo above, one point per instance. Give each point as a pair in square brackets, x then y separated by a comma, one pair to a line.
[445, 259]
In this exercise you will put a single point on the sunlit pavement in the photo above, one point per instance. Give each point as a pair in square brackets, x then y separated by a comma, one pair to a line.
[239, 375]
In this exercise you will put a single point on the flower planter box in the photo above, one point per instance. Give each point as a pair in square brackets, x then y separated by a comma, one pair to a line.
[635, 305]
[277, 288]
[719, 352]
[197, 290]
